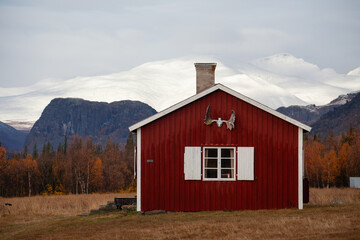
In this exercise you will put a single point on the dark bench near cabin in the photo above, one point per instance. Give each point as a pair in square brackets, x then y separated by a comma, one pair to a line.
[121, 201]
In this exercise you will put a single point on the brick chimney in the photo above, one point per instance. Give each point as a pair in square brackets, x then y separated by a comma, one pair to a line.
[205, 76]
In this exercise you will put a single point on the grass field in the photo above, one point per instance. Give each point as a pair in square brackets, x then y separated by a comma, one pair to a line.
[319, 220]
[66, 205]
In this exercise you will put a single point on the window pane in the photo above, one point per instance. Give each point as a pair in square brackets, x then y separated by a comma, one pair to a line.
[226, 163]
[227, 173]
[211, 163]
[217, 161]
[210, 173]
[211, 152]
[228, 153]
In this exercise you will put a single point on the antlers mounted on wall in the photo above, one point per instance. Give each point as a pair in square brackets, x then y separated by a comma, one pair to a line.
[230, 124]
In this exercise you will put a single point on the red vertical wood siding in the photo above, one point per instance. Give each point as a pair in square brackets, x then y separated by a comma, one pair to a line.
[164, 140]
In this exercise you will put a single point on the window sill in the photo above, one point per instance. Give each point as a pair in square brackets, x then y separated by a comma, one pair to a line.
[222, 180]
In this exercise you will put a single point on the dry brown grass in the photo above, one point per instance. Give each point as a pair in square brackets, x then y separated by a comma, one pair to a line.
[322, 222]
[66, 205]
[325, 196]
[330, 222]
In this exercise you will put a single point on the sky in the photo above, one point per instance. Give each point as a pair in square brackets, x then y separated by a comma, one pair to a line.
[59, 40]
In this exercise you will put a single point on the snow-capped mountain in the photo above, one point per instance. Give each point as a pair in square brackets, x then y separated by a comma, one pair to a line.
[355, 72]
[279, 80]
[310, 114]
[304, 80]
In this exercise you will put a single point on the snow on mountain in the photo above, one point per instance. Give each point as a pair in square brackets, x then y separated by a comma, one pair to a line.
[355, 72]
[342, 99]
[279, 80]
[287, 65]
[302, 79]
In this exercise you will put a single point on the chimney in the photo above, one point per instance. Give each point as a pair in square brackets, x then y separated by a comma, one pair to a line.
[205, 76]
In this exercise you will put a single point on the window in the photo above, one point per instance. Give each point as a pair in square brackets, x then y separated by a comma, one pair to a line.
[219, 163]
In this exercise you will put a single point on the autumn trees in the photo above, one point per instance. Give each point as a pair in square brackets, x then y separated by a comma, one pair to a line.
[17, 175]
[330, 162]
[3, 168]
[80, 167]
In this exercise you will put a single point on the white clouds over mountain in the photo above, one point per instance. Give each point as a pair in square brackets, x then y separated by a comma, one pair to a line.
[279, 80]
[60, 39]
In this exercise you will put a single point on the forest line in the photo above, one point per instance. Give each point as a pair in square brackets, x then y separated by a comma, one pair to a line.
[331, 161]
[85, 167]
[81, 167]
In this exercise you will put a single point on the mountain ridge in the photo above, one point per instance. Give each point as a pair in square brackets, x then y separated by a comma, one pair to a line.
[278, 80]
[311, 113]
[101, 120]
[11, 138]
[97, 120]
[339, 120]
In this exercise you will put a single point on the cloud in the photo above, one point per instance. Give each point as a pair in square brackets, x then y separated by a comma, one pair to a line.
[164, 83]
[63, 39]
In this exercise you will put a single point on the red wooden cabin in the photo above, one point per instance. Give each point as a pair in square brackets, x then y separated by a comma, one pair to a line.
[188, 161]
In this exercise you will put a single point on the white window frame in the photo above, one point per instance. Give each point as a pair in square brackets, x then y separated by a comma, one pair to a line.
[219, 164]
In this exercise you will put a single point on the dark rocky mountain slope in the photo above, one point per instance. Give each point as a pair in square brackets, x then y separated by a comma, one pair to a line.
[334, 117]
[98, 120]
[311, 113]
[10, 138]
[338, 120]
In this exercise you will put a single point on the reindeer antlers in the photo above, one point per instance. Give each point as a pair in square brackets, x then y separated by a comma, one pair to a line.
[230, 124]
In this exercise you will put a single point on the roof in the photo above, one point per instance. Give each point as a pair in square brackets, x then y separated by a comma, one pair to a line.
[209, 91]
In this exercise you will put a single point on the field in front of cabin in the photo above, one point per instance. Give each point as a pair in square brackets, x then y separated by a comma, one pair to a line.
[55, 217]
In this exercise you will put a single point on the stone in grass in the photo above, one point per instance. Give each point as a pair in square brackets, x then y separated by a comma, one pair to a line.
[337, 202]
[128, 208]
[154, 212]
[108, 207]
[84, 214]
[94, 211]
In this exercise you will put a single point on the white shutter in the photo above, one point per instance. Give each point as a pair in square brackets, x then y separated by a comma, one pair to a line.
[192, 163]
[245, 163]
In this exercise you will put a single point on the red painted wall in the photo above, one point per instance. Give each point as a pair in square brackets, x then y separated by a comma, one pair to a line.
[276, 158]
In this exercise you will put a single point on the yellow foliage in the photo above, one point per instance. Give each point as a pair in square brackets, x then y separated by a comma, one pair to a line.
[331, 167]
